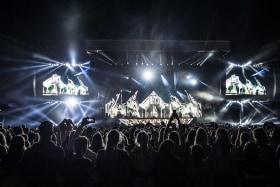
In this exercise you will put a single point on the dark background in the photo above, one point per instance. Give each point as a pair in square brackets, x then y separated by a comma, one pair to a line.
[53, 28]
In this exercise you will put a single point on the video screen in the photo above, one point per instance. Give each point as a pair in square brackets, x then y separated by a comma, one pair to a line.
[61, 80]
[248, 79]
[55, 85]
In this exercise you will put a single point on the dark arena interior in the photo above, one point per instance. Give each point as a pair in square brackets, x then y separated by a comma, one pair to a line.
[142, 70]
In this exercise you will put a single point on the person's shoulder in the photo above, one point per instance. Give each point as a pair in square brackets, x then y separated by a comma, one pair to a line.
[122, 152]
[101, 152]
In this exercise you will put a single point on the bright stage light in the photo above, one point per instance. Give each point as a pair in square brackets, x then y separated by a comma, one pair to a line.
[193, 82]
[148, 75]
[72, 101]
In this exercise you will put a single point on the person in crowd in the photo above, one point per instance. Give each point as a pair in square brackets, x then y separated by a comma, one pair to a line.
[43, 161]
[198, 170]
[3, 146]
[244, 138]
[168, 168]
[10, 169]
[97, 142]
[252, 169]
[189, 141]
[112, 163]
[222, 160]
[201, 138]
[79, 170]
[275, 137]
[176, 133]
[142, 161]
[154, 142]
[266, 151]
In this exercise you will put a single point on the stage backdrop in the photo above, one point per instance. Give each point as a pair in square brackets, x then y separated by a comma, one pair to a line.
[153, 106]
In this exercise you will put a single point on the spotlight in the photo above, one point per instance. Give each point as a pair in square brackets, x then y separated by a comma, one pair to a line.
[193, 81]
[148, 75]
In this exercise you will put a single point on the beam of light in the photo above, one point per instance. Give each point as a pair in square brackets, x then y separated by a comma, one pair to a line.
[88, 101]
[85, 63]
[33, 110]
[125, 77]
[57, 104]
[197, 61]
[88, 107]
[262, 105]
[252, 105]
[26, 107]
[20, 68]
[66, 113]
[226, 107]
[73, 57]
[261, 73]
[137, 82]
[274, 86]
[84, 70]
[230, 67]
[27, 75]
[249, 118]
[182, 96]
[208, 56]
[23, 60]
[82, 111]
[248, 63]
[41, 57]
[102, 60]
[107, 57]
[186, 60]
[175, 77]
[126, 90]
[164, 81]
[268, 119]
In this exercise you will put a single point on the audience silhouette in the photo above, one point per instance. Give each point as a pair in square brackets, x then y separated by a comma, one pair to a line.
[171, 154]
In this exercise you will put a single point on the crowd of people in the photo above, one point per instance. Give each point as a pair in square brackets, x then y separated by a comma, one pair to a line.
[171, 154]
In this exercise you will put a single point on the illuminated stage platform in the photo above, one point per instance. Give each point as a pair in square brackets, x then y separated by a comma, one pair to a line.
[153, 121]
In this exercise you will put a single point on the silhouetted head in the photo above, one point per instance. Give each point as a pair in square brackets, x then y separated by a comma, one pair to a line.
[167, 148]
[175, 137]
[81, 145]
[244, 138]
[190, 137]
[260, 137]
[96, 142]
[17, 130]
[222, 140]
[46, 130]
[17, 144]
[197, 153]
[113, 138]
[142, 139]
[251, 151]
[201, 137]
